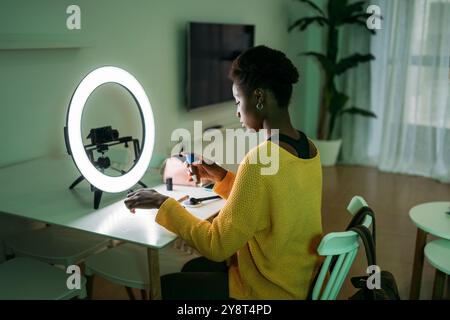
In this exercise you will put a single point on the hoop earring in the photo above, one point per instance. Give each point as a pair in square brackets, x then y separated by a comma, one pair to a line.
[259, 106]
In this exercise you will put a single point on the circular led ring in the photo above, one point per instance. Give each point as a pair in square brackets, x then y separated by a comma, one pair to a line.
[88, 170]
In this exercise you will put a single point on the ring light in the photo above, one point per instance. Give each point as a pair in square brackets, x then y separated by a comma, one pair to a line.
[74, 115]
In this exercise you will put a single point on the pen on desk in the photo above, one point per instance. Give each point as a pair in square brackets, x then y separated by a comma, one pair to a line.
[183, 198]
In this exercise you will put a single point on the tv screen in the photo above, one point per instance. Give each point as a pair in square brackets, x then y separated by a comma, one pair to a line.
[212, 47]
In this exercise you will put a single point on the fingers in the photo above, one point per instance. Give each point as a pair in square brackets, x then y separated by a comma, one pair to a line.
[178, 243]
[196, 164]
[132, 193]
[205, 161]
[136, 199]
[182, 245]
[200, 159]
[140, 192]
[132, 203]
[132, 198]
[190, 171]
[136, 192]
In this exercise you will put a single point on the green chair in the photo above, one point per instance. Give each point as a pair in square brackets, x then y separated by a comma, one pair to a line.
[55, 245]
[437, 253]
[345, 246]
[30, 279]
[126, 265]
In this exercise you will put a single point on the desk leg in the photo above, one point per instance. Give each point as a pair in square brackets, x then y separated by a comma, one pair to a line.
[153, 274]
[416, 278]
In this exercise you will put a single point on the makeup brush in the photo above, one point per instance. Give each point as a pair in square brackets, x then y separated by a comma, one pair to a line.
[195, 202]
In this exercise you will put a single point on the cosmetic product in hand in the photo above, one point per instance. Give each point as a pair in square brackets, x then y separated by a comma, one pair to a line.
[190, 158]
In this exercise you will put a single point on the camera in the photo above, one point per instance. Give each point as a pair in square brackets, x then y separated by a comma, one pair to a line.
[103, 135]
[101, 140]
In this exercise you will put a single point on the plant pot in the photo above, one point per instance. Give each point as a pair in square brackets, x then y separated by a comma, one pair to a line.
[329, 151]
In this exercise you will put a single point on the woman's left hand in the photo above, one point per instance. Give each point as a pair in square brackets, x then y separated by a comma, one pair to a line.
[144, 199]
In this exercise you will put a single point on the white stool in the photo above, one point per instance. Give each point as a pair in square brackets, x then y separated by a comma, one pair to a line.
[55, 245]
[437, 253]
[29, 279]
[127, 265]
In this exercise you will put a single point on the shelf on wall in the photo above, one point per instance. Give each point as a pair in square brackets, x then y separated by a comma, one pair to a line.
[41, 41]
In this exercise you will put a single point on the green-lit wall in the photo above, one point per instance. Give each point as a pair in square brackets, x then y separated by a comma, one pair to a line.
[306, 96]
[147, 38]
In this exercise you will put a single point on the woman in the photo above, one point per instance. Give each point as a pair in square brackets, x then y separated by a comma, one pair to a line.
[262, 244]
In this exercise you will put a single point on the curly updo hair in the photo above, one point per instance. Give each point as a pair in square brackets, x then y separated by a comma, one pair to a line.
[265, 68]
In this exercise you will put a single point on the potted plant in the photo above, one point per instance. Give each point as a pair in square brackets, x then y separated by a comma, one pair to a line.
[333, 102]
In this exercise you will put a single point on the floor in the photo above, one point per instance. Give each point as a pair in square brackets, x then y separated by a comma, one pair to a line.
[390, 195]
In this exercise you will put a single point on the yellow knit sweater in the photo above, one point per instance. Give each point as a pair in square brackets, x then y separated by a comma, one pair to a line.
[269, 228]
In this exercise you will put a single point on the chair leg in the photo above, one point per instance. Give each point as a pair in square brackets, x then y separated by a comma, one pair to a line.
[130, 293]
[144, 294]
[439, 283]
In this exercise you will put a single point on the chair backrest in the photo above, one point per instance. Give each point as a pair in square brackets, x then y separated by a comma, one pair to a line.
[345, 246]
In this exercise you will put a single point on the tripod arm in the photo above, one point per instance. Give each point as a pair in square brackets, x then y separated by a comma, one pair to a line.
[77, 181]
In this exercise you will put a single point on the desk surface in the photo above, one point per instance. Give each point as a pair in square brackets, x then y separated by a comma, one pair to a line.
[38, 190]
[432, 218]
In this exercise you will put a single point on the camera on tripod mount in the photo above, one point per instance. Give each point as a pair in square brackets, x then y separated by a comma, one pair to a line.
[103, 135]
[101, 140]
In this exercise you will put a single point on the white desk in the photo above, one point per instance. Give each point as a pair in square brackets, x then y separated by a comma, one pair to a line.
[38, 190]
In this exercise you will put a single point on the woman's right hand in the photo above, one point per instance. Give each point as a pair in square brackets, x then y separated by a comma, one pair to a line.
[207, 171]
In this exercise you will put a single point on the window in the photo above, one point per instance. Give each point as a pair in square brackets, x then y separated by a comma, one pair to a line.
[429, 65]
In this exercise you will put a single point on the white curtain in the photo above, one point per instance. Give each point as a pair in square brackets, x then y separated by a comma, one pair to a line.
[407, 86]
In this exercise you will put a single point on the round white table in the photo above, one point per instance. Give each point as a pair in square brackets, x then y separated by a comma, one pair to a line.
[429, 218]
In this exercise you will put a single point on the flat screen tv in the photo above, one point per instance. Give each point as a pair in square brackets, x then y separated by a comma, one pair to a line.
[211, 48]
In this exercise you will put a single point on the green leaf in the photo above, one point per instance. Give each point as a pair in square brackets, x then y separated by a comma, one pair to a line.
[356, 7]
[358, 111]
[303, 23]
[344, 13]
[352, 61]
[360, 22]
[327, 65]
[337, 103]
[363, 15]
[313, 5]
[356, 17]
[336, 10]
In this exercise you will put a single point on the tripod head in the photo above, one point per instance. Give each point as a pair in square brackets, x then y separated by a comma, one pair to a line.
[101, 140]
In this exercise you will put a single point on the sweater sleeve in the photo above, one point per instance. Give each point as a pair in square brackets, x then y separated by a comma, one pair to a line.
[223, 188]
[244, 213]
